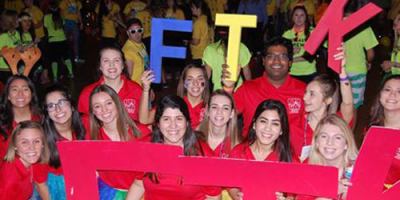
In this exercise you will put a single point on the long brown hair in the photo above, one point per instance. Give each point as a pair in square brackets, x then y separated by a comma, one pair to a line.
[232, 126]
[377, 116]
[124, 122]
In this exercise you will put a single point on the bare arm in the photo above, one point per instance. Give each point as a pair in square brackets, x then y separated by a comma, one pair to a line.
[136, 191]
[146, 116]
[43, 190]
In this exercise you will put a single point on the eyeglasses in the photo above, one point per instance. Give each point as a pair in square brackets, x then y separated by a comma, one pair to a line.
[281, 57]
[138, 30]
[60, 104]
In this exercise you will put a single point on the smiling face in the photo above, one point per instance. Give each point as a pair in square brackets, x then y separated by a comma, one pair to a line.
[20, 95]
[194, 82]
[268, 127]
[29, 145]
[390, 95]
[331, 143]
[135, 33]
[58, 108]
[314, 99]
[276, 62]
[104, 108]
[111, 64]
[173, 125]
[220, 110]
[299, 17]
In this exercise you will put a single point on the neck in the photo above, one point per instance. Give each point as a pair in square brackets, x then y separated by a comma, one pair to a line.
[262, 148]
[317, 115]
[217, 133]
[277, 83]
[21, 114]
[298, 27]
[65, 130]
[338, 163]
[114, 84]
[110, 127]
[392, 119]
[194, 100]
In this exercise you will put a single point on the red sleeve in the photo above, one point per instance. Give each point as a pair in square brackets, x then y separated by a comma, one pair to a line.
[40, 172]
[83, 102]
[238, 96]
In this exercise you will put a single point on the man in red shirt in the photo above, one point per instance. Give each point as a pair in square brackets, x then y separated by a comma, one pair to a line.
[276, 83]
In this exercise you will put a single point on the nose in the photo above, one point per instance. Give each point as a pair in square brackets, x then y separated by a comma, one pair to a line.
[173, 123]
[219, 110]
[329, 140]
[58, 107]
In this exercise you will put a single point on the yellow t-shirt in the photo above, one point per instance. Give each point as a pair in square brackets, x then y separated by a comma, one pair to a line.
[136, 53]
[200, 31]
[70, 9]
[308, 4]
[178, 14]
[132, 8]
[37, 18]
[145, 17]
[216, 6]
[109, 26]
[16, 5]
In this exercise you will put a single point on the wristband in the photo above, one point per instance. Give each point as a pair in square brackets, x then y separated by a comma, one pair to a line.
[344, 79]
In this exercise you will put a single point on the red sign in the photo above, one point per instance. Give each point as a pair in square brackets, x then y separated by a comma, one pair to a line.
[258, 180]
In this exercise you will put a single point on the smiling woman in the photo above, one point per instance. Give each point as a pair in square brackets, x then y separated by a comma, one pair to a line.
[172, 127]
[27, 147]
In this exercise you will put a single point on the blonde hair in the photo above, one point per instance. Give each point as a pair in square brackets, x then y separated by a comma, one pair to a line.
[232, 126]
[11, 151]
[350, 153]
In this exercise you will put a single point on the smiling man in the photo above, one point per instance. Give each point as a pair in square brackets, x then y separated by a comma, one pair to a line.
[276, 83]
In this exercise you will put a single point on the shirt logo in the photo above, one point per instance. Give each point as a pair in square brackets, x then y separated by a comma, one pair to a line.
[294, 105]
[130, 105]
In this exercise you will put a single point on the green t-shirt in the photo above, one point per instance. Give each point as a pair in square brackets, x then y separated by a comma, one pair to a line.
[396, 59]
[54, 35]
[302, 67]
[213, 56]
[356, 61]
[26, 39]
[8, 40]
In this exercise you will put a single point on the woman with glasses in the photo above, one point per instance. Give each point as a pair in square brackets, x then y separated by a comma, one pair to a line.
[137, 59]
[303, 66]
[192, 87]
[18, 103]
[62, 122]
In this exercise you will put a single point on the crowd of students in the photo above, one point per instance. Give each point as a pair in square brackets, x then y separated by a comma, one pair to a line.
[289, 113]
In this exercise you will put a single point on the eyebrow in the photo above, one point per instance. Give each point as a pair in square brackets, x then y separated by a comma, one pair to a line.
[274, 120]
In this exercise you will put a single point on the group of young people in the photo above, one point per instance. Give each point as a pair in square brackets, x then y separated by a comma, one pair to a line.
[288, 114]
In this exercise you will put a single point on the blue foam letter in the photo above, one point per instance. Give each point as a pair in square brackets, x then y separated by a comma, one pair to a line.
[158, 50]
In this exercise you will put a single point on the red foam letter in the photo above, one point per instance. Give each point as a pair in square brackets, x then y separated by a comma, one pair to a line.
[333, 24]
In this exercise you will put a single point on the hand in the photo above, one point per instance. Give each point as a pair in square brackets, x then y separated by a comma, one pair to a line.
[280, 196]
[386, 66]
[343, 187]
[146, 79]
[341, 55]
[296, 50]
[225, 76]
[397, 156]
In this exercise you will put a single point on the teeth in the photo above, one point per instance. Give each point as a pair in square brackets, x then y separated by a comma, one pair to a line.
[276, 66]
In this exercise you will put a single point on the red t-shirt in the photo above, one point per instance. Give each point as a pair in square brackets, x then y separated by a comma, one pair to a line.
[15, 180]
[129, 94]
[118, 179]
[171, 187]
[253, 92]
[196, 113]
[222, 150]
[42, 170]
[243, 151]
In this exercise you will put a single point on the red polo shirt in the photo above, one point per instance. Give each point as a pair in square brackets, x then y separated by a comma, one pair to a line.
[253, 92]
[243, 151]
[15, 180]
